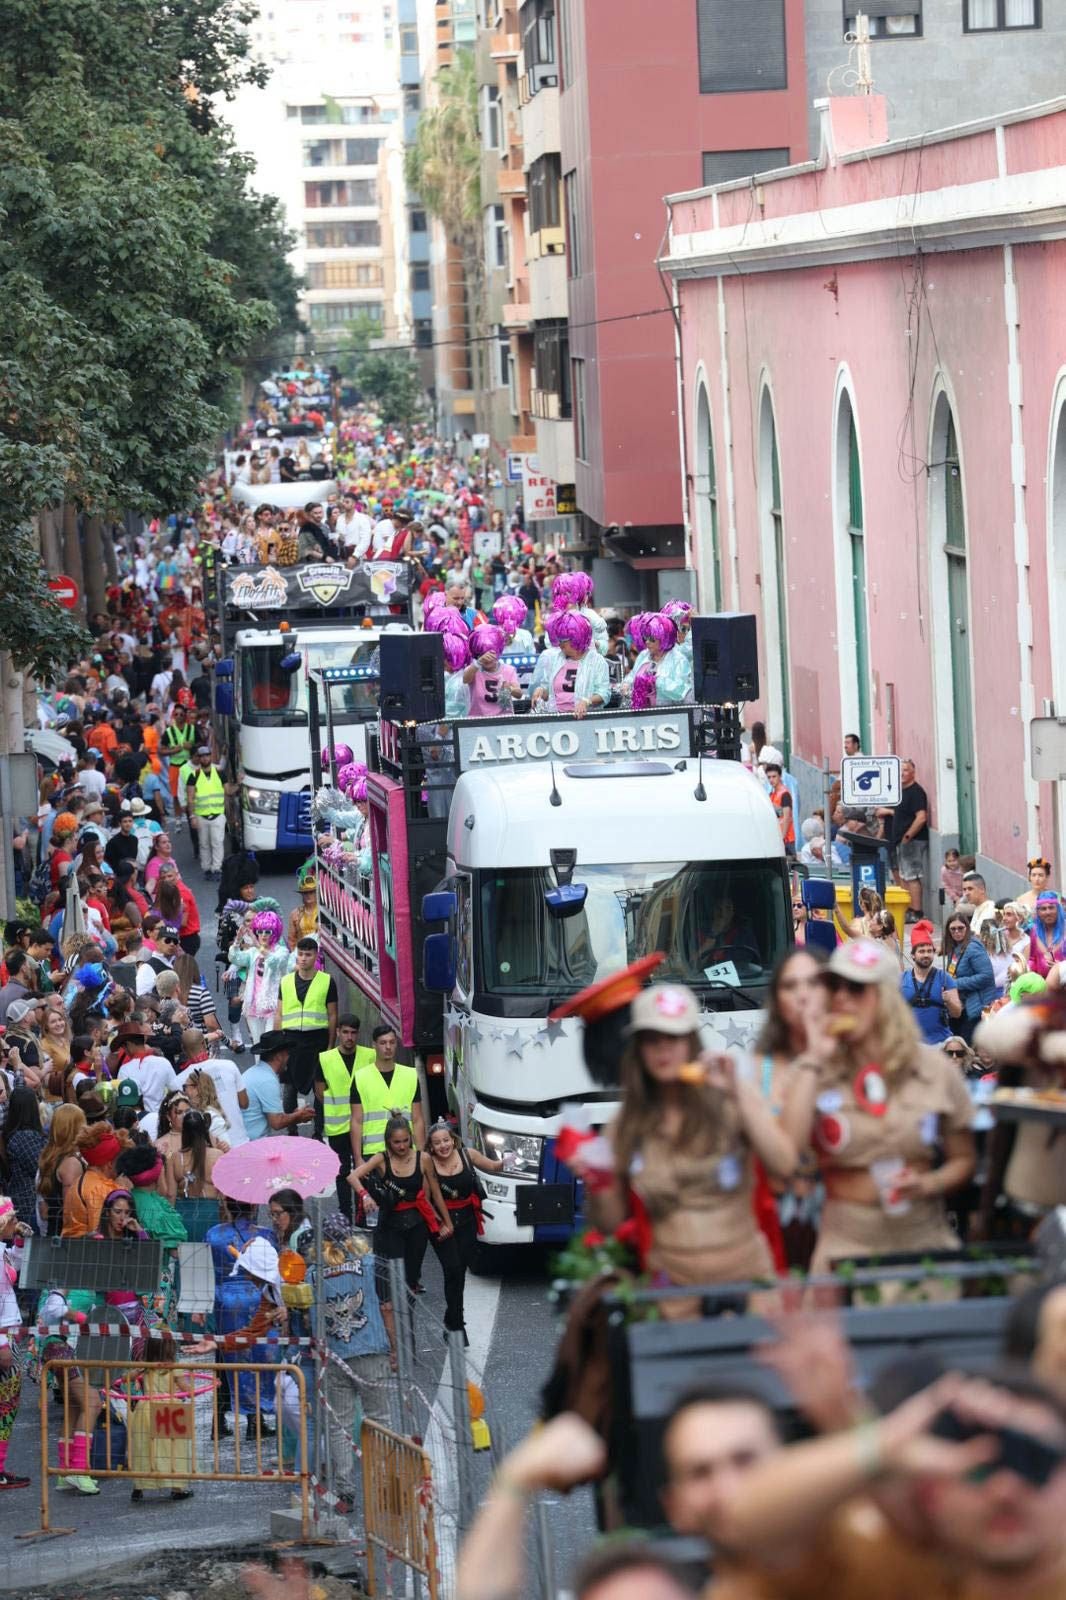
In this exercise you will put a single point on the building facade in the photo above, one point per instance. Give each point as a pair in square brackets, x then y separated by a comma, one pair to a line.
[872, 368]
[317, 132]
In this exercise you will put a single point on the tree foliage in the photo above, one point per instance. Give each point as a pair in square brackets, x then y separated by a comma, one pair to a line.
[359, 334]
[136, 269]
[392, 384]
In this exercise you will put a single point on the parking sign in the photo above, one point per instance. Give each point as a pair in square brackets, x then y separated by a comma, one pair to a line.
[870, 781]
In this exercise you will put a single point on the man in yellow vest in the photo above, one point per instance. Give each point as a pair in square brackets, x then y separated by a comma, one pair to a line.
[205, 805]
[335, 1093]
[179, 738]
[382, 1089]
[307, 1012]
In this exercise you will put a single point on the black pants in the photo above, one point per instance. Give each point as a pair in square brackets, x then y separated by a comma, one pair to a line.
[342, 1144]
[190, 943]
[399, 1244]
[456, 1257]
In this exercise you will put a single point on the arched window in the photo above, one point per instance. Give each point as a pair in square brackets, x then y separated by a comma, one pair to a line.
[1057, 571]
[706, 485]
[852, 625]
[775, 581]
[951, 620]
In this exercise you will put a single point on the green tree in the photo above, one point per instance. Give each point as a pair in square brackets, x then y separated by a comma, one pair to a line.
[359, 334]
[443, 166]
[391, 383]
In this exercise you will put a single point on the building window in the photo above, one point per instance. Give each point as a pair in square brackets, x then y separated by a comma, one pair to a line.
[706, 487]
[419, 278]
[491, 120]
[573, 230]
[340, 192]
[545, 178]
[855, 662]
[424, 334]
[503, 357]
[417, 221]
[409, 41]
[725, 166]
[995, 16]
[343, 235]
[775, 580]
[341, 153]
[886, 19]
[551, 363]
[741, 45]
[496, 254]
[580, 422]
[335, 313]
[952, 633]
[566, 42]
[412, 100]
[343, 275]
[539, 60]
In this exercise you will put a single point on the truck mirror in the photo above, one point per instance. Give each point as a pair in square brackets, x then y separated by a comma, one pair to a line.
[567, 900]
[224, 699]
[290, 662]
[438, 963]
[440, 906]
[224, 669]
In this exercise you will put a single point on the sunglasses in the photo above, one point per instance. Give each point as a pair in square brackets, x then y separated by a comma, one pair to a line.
[835, 984]
[1025, 1454]
[956, 1055]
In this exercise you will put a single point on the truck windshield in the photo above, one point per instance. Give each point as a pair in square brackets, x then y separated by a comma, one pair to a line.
[272, 695]
[718, 922]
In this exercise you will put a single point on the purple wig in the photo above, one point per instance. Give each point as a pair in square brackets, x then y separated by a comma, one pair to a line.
[487, 640]
[349, 775]
[447, 620]
[267, 922]
[433, 602]
[574, 629]
[551, 625]
[338, 756]
[510, 613]
[637, 628]
[661, 631]
[582, 586]
[678, 611]
[644, 689]
[358, 791]
[456, 652]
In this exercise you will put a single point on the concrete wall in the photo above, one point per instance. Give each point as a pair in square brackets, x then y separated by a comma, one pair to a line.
[946, 76]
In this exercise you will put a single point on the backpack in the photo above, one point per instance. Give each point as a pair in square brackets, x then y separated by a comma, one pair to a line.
[922, 995]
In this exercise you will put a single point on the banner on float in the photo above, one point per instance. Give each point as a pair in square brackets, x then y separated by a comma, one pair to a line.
[322, 583]
[496, 741]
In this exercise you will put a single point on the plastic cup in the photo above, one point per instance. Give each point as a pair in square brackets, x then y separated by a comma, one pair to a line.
[886, 1174]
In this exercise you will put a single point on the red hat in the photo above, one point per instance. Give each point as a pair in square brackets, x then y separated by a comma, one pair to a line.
[921, 933]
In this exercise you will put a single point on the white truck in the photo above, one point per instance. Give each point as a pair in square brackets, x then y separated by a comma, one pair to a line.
[656, 848]
[278, 625]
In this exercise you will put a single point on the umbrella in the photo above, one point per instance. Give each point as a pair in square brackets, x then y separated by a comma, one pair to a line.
[256, 1170]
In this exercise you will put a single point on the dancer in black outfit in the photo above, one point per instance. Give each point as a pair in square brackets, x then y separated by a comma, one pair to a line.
[403, 1190]
[456, 1170]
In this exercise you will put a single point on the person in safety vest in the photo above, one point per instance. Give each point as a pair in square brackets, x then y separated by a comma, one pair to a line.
[336, 1095]
[307, 1012]
[384, 1090]
[179, 739]
[205, 805]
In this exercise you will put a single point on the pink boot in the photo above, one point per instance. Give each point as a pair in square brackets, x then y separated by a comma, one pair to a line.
[78, 1462]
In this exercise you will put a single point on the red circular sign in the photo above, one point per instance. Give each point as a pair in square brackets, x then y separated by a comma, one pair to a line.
[66, 591]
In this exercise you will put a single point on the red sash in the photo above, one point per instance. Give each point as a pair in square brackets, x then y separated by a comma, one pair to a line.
[473, 1199]
[421, 1203]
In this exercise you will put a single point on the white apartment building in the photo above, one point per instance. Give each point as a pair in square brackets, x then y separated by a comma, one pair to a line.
[317, 132]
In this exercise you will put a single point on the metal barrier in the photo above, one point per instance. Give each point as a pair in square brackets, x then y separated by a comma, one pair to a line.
[398, 1505]
[173, 1418]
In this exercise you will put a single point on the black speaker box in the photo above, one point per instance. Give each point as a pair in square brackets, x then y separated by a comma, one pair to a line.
[725, 658]
[412, 677]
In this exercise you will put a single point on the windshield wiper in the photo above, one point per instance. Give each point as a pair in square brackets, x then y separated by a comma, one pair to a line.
[738, 993]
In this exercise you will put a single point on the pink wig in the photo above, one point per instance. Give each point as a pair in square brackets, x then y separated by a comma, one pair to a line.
[487, 640]
[661, 631]
[510, 613]
[574, 629]
[582, 587]
[678, 611]
[644, 689]
[447, 620]
[358, 790]
[338, 756]
[551, 625]
[267, 922]
[433, 602]
[637, 628]
[563, 592]
[350, 774]
[456, 652]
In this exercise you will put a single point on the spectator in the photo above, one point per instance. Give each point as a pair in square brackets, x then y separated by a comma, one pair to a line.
[908, 835]
[966, 960]
[932, 995]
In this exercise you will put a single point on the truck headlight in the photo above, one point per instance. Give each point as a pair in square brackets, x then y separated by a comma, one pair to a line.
[266, 801]
[520, 1151]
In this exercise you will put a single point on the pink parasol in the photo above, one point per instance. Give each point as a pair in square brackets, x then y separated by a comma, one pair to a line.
[256, 1170]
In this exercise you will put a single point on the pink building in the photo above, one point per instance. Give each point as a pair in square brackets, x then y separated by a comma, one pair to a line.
[873, 363]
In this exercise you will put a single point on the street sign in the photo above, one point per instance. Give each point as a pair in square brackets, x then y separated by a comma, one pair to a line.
[514, 466]
[538, 491]
[1047, 739]
[66, 591]
[481, 441]
[870, 781]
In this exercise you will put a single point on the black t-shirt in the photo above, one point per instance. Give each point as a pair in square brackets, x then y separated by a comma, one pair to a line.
[913, 799]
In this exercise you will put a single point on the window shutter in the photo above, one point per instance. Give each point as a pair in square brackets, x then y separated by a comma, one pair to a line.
[741, 45]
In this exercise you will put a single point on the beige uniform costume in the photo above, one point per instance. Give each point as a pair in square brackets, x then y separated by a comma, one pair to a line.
[700, 1207]
[927, 1103]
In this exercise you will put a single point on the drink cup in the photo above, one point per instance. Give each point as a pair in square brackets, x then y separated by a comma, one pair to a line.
[886, 1174]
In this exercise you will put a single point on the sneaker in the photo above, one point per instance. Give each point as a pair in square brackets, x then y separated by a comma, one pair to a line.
[181, 1494]
[136, 1495]
[81, 1482]
[10, 1480]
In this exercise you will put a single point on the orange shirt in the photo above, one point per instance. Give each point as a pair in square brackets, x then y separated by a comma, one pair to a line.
[103, 738]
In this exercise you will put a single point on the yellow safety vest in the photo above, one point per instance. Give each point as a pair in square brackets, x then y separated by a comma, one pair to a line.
[179, 742]
[297, 1018]
[380, 1100]
[337, 1099]
[210, 794]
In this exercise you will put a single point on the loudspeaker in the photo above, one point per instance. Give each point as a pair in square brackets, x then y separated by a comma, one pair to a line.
[412, 677]
[725, 658]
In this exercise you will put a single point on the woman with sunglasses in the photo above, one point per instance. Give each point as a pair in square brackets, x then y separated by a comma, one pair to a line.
[968, 962]
[878, 1106]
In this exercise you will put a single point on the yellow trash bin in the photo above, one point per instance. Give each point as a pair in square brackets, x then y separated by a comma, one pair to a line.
[897, 901]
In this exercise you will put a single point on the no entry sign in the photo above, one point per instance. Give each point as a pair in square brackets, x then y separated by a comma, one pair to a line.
[66, 591]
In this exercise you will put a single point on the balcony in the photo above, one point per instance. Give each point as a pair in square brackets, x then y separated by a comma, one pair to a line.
[510, 181]
[517, 315]
[505, 47]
